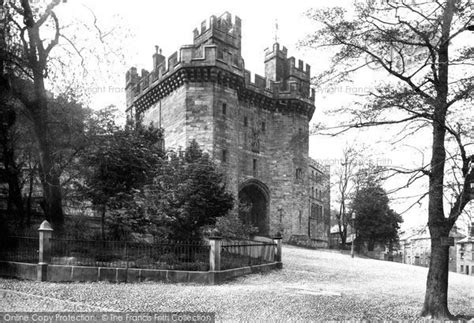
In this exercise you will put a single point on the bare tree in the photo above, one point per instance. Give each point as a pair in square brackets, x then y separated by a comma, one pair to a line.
[415, 45]
[345, 177]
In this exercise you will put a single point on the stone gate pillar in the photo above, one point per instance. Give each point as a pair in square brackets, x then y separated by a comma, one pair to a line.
[45, 234]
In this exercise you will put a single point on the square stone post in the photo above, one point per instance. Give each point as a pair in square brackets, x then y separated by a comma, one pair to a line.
[215, 253]
[277, 241]
[45, 234]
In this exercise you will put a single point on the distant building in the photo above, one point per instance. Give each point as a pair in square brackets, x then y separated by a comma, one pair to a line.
[465, 254]
[415, 247]
[319, 204]
[335, 237]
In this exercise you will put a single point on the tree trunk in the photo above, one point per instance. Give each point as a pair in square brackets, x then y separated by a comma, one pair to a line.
[436, 296]
[50, 182]
[15, 197]
[102, 222]
[28, 202]
[48, 171]
[38, 107]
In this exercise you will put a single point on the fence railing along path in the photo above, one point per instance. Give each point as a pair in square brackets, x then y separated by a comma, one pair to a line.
[213, 255]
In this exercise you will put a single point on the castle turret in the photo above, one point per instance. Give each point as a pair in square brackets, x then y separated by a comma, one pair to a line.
[131, 81]
[285, 72]
[223, 32]
[276, 65]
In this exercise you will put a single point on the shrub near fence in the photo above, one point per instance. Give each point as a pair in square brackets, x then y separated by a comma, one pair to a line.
[21, 249]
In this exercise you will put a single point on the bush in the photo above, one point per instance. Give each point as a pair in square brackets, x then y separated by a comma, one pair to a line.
[231, 227]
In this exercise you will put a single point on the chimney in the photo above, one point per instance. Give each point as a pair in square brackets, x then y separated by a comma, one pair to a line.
[158, 58]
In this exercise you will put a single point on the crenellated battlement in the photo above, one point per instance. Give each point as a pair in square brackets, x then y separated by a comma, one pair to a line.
[224, 31]
[224, 23]
[214, 57]
[279, 67]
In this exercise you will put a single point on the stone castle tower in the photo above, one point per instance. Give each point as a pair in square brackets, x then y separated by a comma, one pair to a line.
[256, 130]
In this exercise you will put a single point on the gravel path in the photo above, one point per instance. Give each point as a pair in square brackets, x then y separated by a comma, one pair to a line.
[314, 285]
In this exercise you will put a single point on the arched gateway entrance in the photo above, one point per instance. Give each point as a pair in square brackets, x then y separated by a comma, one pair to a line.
[254, 198]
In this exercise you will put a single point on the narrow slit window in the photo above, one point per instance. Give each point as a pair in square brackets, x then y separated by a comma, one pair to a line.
[224, 109]
[224, 156]
[299, 173]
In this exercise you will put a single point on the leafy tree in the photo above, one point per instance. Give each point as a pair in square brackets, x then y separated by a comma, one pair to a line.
[415, 47]
[19, 150]
[188, 194]
[39, 52]
[375, 221]
[117, 163]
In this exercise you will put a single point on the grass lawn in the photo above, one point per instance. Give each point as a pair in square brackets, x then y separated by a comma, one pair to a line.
[314, 285]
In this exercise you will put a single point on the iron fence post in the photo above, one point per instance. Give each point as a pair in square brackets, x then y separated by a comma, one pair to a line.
[126, 261]
[45, 234]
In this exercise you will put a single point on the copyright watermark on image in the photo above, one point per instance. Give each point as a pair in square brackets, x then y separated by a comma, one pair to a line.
[358, 163]
[360, 90]
[104, 89]
[161, 317]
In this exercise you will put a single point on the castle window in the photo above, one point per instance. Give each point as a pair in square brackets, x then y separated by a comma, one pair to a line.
[224, 155]
[224, 109]
[246, 121]
[314, 211]
[300, 218]
[312, 192]
[263, 126]
[299, 173]
[254, 165]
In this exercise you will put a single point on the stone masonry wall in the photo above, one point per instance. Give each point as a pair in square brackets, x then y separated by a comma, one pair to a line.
[195, 111]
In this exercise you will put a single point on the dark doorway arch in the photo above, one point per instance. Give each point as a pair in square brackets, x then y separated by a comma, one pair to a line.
[254, 198]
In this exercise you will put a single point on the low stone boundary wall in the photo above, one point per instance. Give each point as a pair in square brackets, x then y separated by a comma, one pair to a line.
[65, 273]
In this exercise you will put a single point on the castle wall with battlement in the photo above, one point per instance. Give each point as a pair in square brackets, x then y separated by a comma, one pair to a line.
[255, 127]
[295, 86]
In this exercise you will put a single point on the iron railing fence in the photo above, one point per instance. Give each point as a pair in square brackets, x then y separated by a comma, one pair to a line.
[177, 255]
[19, 249]
[172, 255]
[241, 253]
